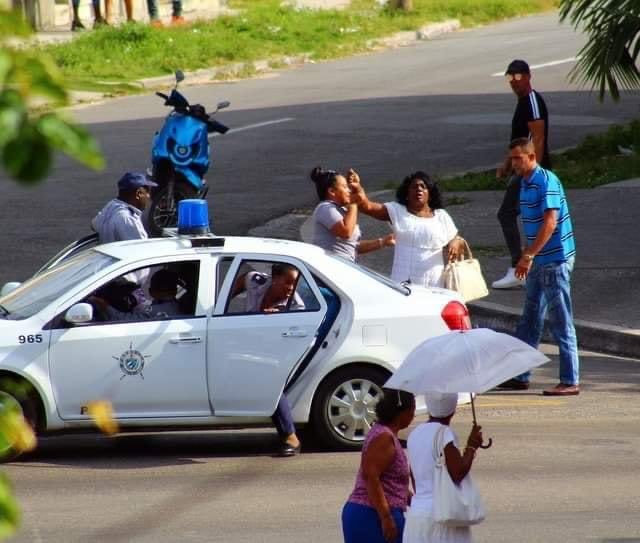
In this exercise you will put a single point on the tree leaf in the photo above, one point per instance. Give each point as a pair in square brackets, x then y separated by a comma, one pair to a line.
[27, 158]
[38, 76]
[12, 116]
[9, 509]
[73, 140]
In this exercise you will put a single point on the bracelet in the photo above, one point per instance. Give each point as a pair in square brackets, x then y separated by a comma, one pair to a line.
[381, 243]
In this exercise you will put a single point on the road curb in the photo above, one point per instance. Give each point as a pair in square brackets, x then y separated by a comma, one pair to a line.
[207, 75]
[592, 336]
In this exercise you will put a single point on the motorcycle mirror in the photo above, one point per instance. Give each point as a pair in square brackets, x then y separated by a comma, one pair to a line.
[179, 76]
[222, 105]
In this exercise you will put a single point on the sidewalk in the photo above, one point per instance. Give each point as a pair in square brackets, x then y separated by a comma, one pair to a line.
[606, 279]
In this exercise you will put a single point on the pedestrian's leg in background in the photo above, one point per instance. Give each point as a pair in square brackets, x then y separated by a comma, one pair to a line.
[76, 24]
[508, 218]
[152, 7]
[558, 292]
[531, 323]
[108, 11]
[177, 18]
[128, 6]
[97, 14]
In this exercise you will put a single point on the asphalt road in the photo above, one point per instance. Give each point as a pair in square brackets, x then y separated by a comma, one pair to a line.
[440, 105]
[560, 470]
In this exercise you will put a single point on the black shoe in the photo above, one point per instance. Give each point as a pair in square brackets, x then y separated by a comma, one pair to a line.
[289, 450]
[76, 25]
[100, 21]
[513, 384]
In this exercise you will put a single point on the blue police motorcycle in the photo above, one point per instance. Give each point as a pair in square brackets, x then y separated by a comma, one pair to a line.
[180, 157]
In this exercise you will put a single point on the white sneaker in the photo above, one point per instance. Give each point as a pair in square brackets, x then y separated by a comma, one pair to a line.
[509, 280]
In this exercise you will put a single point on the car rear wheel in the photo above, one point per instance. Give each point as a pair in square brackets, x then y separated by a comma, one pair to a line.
[344, 406]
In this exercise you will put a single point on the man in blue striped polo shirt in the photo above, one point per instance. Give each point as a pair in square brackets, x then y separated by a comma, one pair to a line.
[546, 264]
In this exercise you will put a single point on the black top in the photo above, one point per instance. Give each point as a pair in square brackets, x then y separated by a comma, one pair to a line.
[531, 108]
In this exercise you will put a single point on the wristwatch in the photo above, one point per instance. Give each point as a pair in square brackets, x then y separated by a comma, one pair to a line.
[527, 257]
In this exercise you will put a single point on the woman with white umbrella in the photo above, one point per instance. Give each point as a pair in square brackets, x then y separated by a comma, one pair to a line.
[419, 525]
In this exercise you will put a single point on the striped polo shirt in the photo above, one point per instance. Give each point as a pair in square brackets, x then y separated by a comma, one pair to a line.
[542, 191]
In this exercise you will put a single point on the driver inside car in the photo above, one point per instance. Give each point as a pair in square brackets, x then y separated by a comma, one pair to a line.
[163, 289]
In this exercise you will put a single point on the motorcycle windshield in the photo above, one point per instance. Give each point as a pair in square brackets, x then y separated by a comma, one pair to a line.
[177, 100]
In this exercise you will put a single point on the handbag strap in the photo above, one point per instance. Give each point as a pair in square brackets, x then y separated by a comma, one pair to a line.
[467, 250]
[438, 449]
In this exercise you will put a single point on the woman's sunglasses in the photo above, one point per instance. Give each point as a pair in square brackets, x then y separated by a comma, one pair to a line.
[517, 77]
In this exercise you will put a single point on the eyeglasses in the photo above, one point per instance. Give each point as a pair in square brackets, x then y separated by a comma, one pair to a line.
[517, 77]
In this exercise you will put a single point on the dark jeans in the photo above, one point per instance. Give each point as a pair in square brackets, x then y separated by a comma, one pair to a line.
[508, 217]
[152, 7]
[282, 418]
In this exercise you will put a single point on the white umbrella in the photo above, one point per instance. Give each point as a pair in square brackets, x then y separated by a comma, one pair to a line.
[464, 361]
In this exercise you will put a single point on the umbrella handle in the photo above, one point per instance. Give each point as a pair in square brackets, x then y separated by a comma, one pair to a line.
[489, 443]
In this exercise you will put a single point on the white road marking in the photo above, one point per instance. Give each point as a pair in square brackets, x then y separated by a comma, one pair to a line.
[256, 125]
[543, 65]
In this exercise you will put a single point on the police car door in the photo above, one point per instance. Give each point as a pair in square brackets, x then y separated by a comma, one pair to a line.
[251, 354]
[147, 367]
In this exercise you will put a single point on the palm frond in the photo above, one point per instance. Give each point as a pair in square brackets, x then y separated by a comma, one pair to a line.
[609, 59]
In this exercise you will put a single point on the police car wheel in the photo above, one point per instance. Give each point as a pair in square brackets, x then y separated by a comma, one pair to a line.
[344, 406]
[14, 402]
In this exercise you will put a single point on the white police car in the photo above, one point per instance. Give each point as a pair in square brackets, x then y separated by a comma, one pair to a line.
[211, 363]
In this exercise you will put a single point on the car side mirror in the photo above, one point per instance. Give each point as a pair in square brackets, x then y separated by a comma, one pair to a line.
[9, 287]
[79, 314]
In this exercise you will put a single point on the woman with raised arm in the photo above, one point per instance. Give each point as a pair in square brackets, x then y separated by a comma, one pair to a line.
[422, 228]
[335, 218]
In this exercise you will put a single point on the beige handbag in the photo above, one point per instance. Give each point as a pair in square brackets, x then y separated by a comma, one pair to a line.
[465, 276]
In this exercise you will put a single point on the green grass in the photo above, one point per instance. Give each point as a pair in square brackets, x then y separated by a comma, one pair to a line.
[263, 29]
[596, 161]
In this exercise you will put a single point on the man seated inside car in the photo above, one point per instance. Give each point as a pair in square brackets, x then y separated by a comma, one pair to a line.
[163, 289]
[270, 294]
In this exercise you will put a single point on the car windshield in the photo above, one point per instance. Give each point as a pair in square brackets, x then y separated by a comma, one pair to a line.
[398, 287]
[38, 292]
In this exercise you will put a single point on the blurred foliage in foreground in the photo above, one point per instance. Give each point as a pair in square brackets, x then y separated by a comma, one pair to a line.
[31, 80]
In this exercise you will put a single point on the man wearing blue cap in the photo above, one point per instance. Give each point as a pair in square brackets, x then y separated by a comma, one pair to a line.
[121, 218]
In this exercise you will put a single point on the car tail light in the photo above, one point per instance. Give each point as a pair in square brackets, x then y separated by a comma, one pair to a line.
[456, 315]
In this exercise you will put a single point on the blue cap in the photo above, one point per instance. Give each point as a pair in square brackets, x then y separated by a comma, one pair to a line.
[134, 180]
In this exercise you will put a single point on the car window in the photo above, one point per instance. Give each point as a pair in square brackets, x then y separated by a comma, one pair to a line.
[41, 290]
[398, 287]
[269, 287]
[158, 292]
[221, 272]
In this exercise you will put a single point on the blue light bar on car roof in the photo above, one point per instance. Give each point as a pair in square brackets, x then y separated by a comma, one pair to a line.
[193, 217]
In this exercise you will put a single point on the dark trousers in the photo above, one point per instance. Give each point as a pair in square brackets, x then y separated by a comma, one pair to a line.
[152, 7]
[282, 418]
[508, 217]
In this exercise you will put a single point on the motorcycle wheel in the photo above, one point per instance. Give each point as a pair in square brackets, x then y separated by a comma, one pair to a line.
[161, 215]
